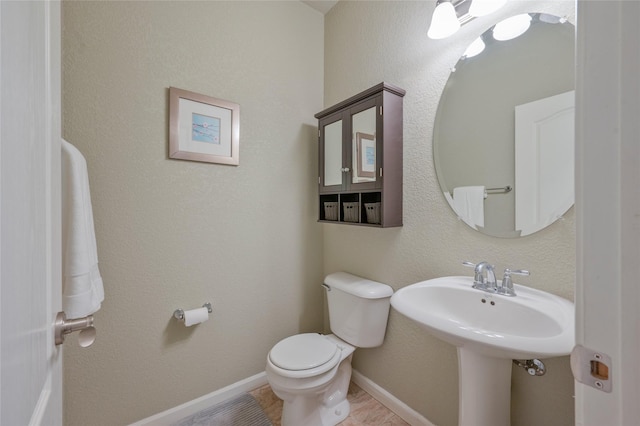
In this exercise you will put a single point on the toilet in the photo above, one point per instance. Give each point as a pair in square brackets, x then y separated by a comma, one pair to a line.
[310, 372]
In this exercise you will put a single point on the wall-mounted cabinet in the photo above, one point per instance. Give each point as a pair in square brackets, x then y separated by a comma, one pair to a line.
[360, 159]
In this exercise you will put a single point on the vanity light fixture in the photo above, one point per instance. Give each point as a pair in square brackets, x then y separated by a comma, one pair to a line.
[552, 19]
[512, 27]
[444, 21]
[449, 15]
[485, 7]
[474, 48]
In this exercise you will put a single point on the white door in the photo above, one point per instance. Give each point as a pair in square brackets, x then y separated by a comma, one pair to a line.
[30, 363]
[608, 206]
[544, 140]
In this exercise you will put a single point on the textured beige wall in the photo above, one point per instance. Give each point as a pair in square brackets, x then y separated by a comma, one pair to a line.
[369, 42]
[177, 233]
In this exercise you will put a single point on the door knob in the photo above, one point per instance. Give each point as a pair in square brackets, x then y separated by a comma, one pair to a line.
[63, 326]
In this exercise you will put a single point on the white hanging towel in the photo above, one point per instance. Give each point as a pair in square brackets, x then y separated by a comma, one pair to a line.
[468, 203]
[82, 289]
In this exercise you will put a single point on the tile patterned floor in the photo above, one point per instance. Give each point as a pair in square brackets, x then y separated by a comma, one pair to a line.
[365, 410]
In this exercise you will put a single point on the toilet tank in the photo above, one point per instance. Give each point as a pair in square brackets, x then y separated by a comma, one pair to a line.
[358, 309]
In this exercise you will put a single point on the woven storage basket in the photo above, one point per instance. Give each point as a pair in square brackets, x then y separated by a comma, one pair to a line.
[351, 212]
[373, 212]
[331, 210]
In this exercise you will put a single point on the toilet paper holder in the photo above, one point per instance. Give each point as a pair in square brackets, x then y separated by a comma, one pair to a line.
[179, 313]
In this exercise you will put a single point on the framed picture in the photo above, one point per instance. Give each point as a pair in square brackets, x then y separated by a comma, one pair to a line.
[366, 153]
[202, 128]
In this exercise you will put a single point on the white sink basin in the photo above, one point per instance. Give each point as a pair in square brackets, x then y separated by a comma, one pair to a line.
[488, 330]
[533, 324]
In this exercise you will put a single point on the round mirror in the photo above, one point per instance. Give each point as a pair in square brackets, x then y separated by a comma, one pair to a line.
[503, 138]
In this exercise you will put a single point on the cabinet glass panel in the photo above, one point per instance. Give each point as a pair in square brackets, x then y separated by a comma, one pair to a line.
[363, 125]
[333, 153]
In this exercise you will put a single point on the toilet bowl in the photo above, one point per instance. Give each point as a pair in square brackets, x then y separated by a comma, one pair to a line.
[311, 372]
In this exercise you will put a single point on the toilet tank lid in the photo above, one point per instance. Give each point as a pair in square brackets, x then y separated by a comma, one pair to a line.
[358, 286]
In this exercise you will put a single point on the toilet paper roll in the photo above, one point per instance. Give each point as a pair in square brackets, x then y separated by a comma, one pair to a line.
[195, 316]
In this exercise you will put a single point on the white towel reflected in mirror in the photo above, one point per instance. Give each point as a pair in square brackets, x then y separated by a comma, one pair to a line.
[468, 202]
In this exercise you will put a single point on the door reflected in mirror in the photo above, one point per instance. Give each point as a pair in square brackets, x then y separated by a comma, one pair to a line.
[503, 138]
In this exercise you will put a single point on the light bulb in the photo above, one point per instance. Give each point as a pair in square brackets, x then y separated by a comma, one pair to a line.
[512, 27]
[444, 21]
[474, 48]
[485, 7]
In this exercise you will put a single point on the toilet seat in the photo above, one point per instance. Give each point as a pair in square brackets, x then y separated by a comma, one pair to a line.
[308, 351]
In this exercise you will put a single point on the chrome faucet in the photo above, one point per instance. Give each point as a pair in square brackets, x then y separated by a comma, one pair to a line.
[479, 281]
[490, 284]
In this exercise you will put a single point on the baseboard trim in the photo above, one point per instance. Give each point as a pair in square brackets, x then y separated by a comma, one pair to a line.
[172, 415]
[407, 413]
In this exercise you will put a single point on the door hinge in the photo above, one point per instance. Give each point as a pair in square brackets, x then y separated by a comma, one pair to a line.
[380, 109]
[380, 171]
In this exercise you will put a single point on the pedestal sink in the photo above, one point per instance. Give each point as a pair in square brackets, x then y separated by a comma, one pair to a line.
[489, 330]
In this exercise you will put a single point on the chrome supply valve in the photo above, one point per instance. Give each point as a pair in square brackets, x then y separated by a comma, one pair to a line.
[506, 285]
[534, 367]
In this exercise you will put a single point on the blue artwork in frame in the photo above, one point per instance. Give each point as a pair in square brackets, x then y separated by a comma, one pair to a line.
[205, 129]
[366, 156]
[370, 154]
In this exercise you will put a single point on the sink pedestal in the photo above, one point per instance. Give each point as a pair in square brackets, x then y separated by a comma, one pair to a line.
[484, 389]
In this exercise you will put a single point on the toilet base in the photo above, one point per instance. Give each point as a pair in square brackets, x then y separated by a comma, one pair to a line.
[324, 406]
[304, 411]
[334, 415]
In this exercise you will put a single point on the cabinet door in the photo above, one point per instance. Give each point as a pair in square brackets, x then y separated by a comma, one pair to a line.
[365, 145]
[331, 166]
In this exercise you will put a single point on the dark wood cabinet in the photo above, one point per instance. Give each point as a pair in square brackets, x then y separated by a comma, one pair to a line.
[360, 159]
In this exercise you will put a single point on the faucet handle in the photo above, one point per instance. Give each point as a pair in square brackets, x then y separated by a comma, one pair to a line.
[506, 286]
[516, 272]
